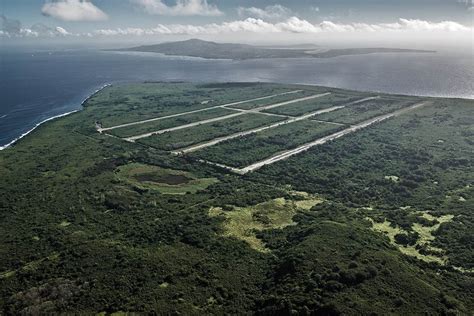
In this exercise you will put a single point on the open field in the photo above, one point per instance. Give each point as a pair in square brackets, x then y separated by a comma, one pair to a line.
[245, 223]
[374, 218]
[165, 181]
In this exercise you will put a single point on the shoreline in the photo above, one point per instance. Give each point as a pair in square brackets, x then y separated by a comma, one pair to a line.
[2, 147]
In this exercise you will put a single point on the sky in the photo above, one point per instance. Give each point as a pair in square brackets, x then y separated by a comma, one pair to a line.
[278, 21]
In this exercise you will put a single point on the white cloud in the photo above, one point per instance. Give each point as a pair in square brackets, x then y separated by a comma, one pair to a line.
[61, 31]
[269, 12]
[291, 25]
[182, 7]
[13, 28]
[73, 10]
[314, 9]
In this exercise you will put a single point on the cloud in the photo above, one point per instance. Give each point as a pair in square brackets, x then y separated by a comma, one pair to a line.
[182, 7]
[41, 30]
[10, 26]
[314, 9]
[13, 28]
[291, 25]
[269, 12]
[73, 10]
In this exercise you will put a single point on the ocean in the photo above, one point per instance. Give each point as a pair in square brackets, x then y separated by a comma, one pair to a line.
[37, 85]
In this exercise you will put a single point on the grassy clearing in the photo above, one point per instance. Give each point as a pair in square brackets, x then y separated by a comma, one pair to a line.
[425, 237]
[197, 134]
[304, 107]
[166, 181]
[245, 222]
[392, 178]
[432, 174]
[64, 224]
[362, 111]
[168, 123]
[242, 151]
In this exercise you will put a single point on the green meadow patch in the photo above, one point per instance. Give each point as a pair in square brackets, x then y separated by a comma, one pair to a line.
[245, 222]
[166, 181]
[422, 248]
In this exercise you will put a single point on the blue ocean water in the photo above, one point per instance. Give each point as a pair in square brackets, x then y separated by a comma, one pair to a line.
[39, 84]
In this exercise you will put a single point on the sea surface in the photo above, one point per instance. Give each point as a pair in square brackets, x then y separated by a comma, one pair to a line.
[39, 84]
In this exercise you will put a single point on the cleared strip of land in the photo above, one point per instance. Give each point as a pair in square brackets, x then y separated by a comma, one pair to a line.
[220, 118]
[320, 141]
[254, 111]
[139, 129]
[364, 111]
[271, 106]
[103, 129]
[260, 129]
[328, 101]
[207, 132]
[161, 131]
[252, 131]
[243, 151]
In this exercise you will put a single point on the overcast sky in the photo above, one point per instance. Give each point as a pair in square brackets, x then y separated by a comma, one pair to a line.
[237, 20]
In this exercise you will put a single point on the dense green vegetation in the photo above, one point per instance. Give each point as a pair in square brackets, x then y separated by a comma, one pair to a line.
[157, 125]
[242, 151]
[301, 108]
[434, 175]
[186, 137]
[123, 104]
[362, 111]
[277, 99]
[93, 224]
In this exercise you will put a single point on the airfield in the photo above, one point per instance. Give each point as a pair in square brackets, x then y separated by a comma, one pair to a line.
[212, 133]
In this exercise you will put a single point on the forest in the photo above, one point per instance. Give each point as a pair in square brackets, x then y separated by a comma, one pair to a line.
[377, 222]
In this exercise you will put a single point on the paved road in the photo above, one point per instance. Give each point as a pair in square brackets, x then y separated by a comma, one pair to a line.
[320, 141]
[220, 118]
[103, 129]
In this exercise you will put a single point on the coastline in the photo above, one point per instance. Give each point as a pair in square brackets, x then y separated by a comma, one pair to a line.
[2, 147]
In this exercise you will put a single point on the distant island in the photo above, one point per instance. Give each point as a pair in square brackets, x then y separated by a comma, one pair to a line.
[212, 50]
